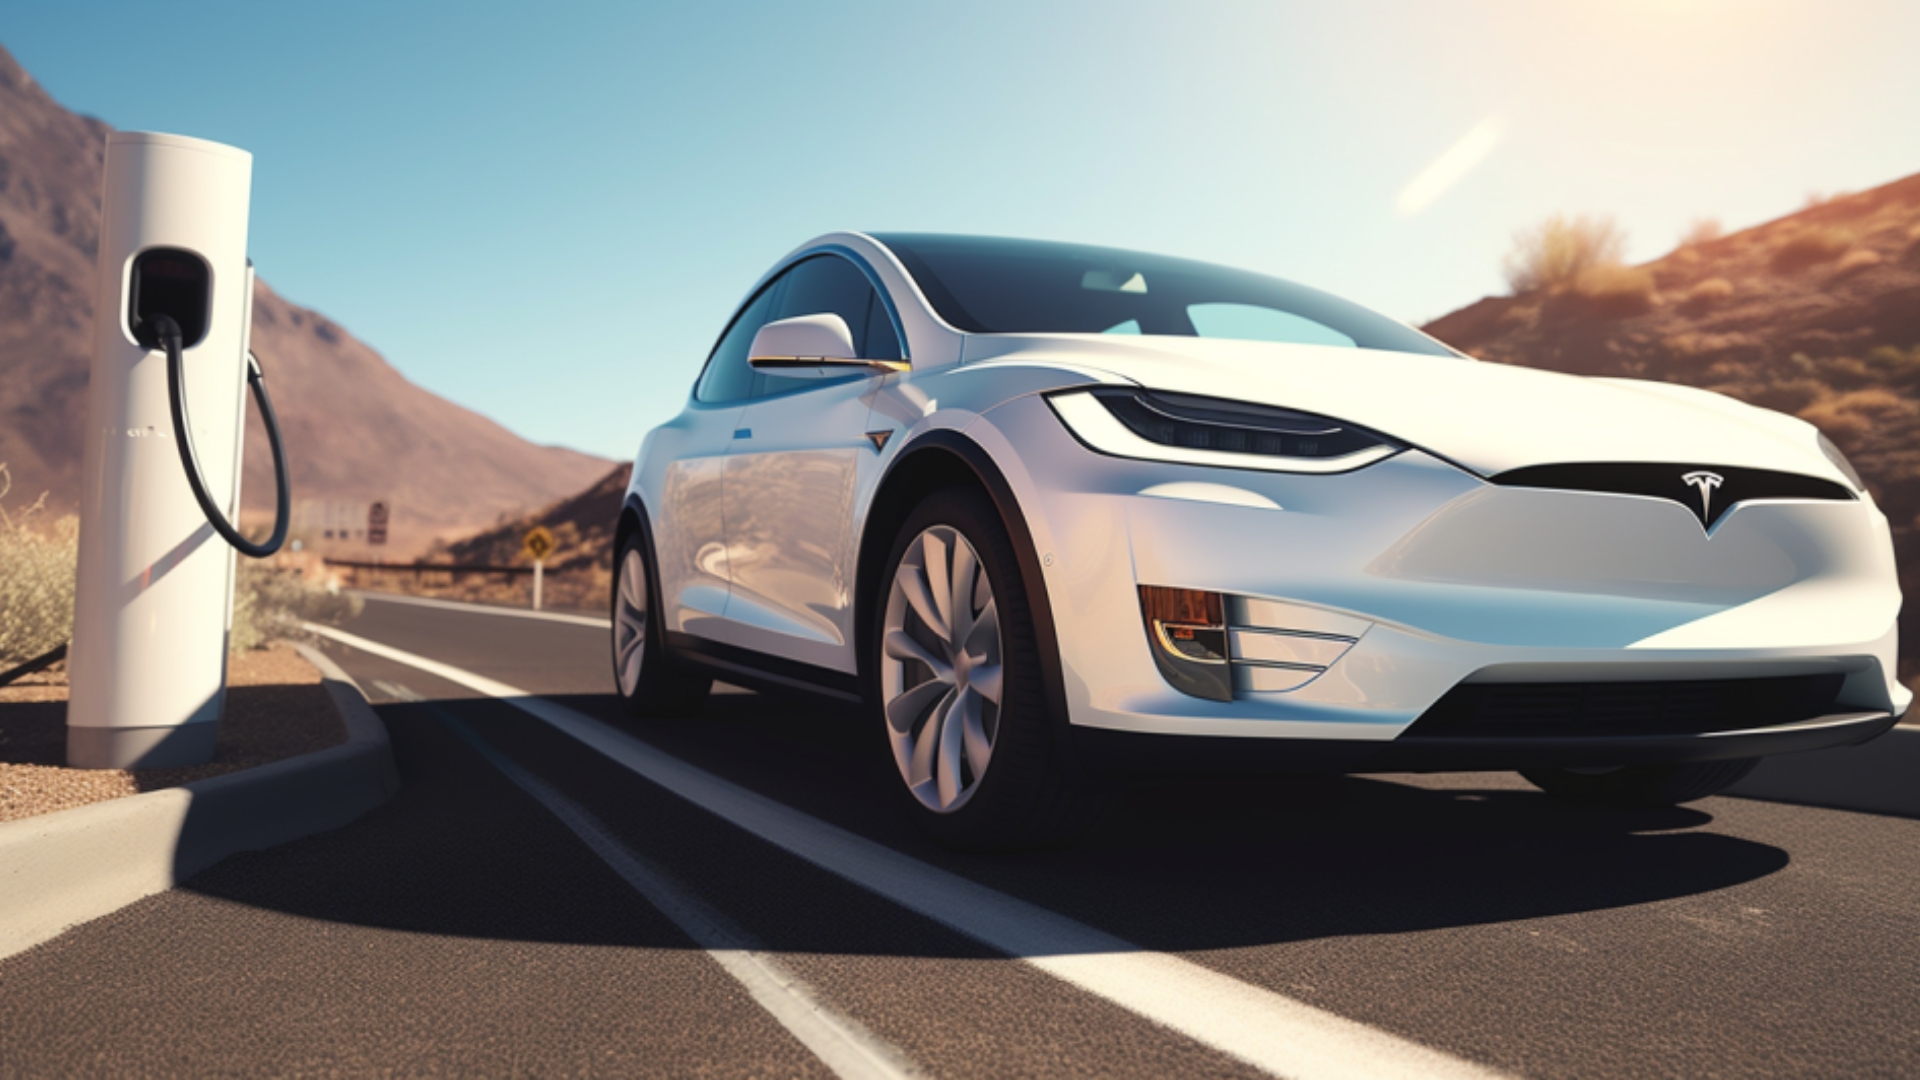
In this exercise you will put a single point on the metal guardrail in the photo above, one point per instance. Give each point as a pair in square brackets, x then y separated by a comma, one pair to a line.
[455, 569]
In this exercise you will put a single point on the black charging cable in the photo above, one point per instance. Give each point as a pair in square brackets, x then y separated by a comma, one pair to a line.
[161, 331]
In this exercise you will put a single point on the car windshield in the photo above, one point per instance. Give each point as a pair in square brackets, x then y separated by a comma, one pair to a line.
[986, 285]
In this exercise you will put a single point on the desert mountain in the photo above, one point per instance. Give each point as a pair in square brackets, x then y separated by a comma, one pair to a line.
[355, 428]
[1816, 314]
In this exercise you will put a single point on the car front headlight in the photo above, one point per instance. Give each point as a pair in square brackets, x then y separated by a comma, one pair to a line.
[1192, 430]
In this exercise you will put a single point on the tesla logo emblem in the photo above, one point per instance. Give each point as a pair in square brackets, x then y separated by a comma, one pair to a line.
[1704, 482]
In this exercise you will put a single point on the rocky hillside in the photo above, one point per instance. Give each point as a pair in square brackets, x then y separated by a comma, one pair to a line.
[582, 528]
[1815, 314]
[356, 429]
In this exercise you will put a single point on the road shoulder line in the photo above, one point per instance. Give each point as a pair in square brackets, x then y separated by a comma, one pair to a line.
[1267, 1030]
[840, 1043]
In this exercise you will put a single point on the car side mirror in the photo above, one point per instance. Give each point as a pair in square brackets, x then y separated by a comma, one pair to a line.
[810, 347]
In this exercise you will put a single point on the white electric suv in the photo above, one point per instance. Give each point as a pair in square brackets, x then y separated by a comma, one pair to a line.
[1051, 515]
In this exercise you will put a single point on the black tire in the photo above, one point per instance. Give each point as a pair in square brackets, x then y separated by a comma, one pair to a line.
[659, 685]
[1025, 797]
[1641, 785]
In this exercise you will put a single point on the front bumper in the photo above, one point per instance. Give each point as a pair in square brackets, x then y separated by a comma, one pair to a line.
[1131, 753]
[1455, 582]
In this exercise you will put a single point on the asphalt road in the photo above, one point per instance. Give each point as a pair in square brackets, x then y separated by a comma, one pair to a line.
[531, 905]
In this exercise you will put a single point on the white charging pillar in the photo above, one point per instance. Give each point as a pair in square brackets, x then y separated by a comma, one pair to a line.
[155, 591]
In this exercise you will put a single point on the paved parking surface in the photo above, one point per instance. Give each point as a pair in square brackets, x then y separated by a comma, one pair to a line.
[470, 927]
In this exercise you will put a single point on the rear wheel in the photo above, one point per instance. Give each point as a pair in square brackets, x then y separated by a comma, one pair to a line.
[1641, 785]
[957, 678]
[651, 683]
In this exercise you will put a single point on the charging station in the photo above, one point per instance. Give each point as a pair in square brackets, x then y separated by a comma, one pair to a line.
[173, 302]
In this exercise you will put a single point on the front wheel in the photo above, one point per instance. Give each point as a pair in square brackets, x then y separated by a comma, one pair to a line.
[1641, 785]
[650, 682]
[956, 673]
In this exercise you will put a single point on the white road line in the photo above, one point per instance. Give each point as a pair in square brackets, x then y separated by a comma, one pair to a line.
[850, 1050]
[484, 609]
[1269, 1031]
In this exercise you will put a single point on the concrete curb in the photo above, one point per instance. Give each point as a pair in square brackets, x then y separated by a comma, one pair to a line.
[62, 869]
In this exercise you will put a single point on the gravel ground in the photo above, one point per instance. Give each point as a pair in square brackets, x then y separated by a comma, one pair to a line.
[276, 708]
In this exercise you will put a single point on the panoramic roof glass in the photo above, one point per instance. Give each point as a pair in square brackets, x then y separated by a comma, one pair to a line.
[988, 285]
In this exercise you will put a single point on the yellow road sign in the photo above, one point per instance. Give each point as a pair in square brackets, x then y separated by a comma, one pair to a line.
[539, 543]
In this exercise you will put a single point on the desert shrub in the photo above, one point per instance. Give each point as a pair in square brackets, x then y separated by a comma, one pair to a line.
[1810, 247]
[37, 561]
[1801, 364]
[1522, 315]
[1900, 367]
[1856, 260]
[1707, 294]
[1850, 418]
[1893, 358]
[1735, 348]
[36, 579]
[1703, 230]
[1615, 290]
[1848, 373]
[1558, 250]
[271, 602]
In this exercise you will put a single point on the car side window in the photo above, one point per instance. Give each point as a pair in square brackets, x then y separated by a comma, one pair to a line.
[728, 376]
[831, 284]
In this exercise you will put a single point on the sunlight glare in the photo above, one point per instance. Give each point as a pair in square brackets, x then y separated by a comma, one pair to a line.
[1450, 167]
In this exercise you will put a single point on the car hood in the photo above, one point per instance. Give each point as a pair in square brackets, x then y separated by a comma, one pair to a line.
[1487, 417]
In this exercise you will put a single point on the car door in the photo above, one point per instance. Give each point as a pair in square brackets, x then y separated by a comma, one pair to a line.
[689, 534]
[799, 455]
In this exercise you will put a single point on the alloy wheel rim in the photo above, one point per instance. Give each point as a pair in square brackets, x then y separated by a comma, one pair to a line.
[940, 669]
[630, 622]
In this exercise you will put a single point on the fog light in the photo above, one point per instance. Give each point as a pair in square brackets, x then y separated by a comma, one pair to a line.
[1210, 645]
[1188, 629]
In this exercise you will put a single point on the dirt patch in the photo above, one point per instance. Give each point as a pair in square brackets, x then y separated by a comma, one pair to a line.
[276, 708]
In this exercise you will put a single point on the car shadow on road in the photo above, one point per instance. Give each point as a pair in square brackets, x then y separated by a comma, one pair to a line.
[1296, 858]
[1191, 865]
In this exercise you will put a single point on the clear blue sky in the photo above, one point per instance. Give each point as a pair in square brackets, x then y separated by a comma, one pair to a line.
[545, 212]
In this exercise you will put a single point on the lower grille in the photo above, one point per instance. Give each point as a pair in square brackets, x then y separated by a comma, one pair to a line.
[1590, 709]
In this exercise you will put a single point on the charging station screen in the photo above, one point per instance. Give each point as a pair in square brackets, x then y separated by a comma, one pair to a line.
[168, 281]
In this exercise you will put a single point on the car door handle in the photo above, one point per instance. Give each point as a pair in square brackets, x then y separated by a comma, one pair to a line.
[743, 433]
